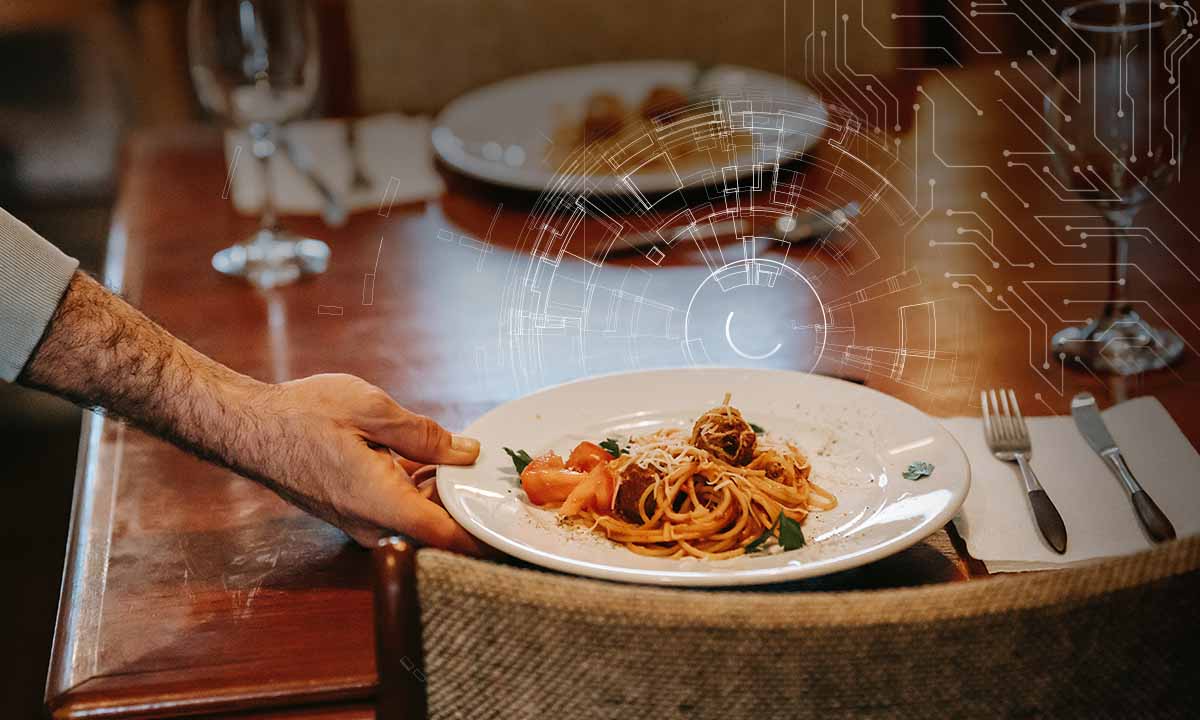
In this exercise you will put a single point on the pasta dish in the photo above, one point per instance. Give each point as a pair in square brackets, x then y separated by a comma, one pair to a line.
[722, 490]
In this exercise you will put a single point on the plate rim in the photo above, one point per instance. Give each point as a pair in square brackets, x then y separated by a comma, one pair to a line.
[683, 578]
[465, 164]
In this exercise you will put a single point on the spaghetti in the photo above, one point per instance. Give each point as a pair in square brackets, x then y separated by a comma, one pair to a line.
[713, 493]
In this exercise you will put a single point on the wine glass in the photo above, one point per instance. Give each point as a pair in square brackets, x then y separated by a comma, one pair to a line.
[255, 64]
[1118, 128]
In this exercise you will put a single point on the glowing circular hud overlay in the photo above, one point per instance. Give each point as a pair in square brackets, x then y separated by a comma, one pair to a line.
[745, 312]
[579, 300]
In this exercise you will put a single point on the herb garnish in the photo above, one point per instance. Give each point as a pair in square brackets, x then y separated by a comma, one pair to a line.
[520, 459]
[758, 429]
[766, 535]
[918, 470]
[791, 535]
[613, 447]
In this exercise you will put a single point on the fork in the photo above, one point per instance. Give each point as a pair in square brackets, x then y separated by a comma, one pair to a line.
[1008, 437]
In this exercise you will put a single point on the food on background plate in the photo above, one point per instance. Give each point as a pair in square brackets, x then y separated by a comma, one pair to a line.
[662, 100]
[603, 117]
[606, 125]
[723, 490]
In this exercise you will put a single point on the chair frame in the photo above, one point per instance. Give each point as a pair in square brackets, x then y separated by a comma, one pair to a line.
[398, 653]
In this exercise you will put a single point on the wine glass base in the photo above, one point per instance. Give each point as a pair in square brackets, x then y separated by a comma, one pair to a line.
[271, 258]
[1121, 345]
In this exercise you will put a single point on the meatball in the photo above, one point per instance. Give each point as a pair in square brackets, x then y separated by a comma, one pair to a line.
[603, 117]
[634, 481]
[725, 435]
[662, 100]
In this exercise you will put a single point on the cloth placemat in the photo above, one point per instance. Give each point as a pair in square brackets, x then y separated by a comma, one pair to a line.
[996, 521]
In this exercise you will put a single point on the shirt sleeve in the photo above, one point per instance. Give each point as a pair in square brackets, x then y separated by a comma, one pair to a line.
[33, 277]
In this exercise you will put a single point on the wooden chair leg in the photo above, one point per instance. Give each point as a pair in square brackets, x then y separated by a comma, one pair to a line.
[398, 654]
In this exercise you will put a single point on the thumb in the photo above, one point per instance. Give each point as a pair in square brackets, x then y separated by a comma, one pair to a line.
[419, 438]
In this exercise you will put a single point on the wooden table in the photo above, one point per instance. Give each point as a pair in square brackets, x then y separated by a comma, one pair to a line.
[188, 589]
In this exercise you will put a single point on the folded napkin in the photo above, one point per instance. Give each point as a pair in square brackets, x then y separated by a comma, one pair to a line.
[997, 523]
[393, 151]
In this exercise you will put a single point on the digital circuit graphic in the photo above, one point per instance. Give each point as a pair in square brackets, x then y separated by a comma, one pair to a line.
[850, 231]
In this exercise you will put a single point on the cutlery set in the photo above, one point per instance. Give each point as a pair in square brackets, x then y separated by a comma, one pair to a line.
[333, 208]
[1008, 438]
[797, 228]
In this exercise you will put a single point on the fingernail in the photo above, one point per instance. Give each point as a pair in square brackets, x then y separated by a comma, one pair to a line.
[462, 443]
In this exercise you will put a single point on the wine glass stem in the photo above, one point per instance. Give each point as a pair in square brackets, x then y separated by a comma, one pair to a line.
[1120, 223]
[264, 143]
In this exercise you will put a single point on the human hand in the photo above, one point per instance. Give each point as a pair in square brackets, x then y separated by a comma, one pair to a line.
[343, 450]
[334, 445]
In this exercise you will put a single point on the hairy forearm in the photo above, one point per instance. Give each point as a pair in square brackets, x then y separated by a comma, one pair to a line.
[100, 352]
[334, 445]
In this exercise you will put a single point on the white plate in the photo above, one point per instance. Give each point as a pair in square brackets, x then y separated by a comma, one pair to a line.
[501, 133]
[859, 441]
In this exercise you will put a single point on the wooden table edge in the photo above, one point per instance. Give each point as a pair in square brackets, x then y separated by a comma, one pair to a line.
[92, 699]
[63, 671]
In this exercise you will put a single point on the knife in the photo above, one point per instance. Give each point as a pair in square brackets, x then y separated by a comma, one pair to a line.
[1091, 426]
[788, 228]
[332, 210]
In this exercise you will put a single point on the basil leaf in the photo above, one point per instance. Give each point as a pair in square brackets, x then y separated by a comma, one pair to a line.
[758, 429]
[918, 470]
[791, 535]
[756, 545]
[520, 459]
[758, 541]
[612, 447]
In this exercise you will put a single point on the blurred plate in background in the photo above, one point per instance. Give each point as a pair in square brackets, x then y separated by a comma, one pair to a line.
[511, 133]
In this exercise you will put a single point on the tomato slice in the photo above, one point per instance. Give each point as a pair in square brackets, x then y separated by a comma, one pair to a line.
[582, 496]
[547, 482]
[546, 461]
[605, 486]
[595, 492]
[587, 455]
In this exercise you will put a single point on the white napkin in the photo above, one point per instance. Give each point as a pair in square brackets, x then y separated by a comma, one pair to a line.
[393, 151]
[997, 523]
